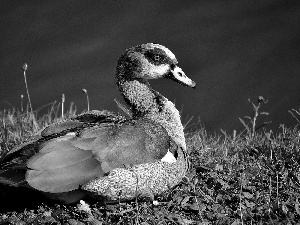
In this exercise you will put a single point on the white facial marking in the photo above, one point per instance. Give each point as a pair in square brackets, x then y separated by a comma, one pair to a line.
[155, 71]
[160, 70]
[166, 50]
[169, 53]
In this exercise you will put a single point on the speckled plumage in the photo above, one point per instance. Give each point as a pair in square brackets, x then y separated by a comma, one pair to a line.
[108, 155]
[149, 178]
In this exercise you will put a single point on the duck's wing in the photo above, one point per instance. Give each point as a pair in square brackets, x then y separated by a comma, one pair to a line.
[74, 152]
[64, 163]
[127, 144]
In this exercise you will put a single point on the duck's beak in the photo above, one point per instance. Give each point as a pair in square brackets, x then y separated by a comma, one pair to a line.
[179, 76]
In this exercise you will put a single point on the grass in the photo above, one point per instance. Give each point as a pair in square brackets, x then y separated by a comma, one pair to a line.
[246, 178]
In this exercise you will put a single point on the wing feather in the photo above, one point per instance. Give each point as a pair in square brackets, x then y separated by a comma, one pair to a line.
[66, 178]
[131, 144]
[58, 159]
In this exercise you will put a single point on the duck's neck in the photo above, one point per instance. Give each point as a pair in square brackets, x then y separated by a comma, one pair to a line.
[148, 103]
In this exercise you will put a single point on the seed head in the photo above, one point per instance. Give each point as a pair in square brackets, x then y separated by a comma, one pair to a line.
[25, 66]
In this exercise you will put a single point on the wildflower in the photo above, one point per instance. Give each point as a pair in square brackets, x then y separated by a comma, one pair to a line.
[82, 206]
[156, 203]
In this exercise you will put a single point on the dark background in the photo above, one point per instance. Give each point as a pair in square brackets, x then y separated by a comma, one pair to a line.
[234, 50]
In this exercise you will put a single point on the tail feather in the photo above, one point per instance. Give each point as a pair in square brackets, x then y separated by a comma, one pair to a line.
[15, 178]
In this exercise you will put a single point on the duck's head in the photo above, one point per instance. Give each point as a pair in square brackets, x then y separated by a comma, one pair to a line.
[150, 61]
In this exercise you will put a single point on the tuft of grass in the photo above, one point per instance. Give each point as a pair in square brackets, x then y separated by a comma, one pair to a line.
[17, 125]
[251, 126]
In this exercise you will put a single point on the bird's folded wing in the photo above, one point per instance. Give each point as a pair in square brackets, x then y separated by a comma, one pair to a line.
[129, 144]
[65, 162]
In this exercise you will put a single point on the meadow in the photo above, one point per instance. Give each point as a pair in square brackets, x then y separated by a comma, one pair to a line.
[247, 177]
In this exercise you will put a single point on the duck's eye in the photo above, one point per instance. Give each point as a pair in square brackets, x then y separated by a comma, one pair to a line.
[157, 58]
[154, 57]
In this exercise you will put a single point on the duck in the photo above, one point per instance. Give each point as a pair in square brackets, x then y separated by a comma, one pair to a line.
[108, 155]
